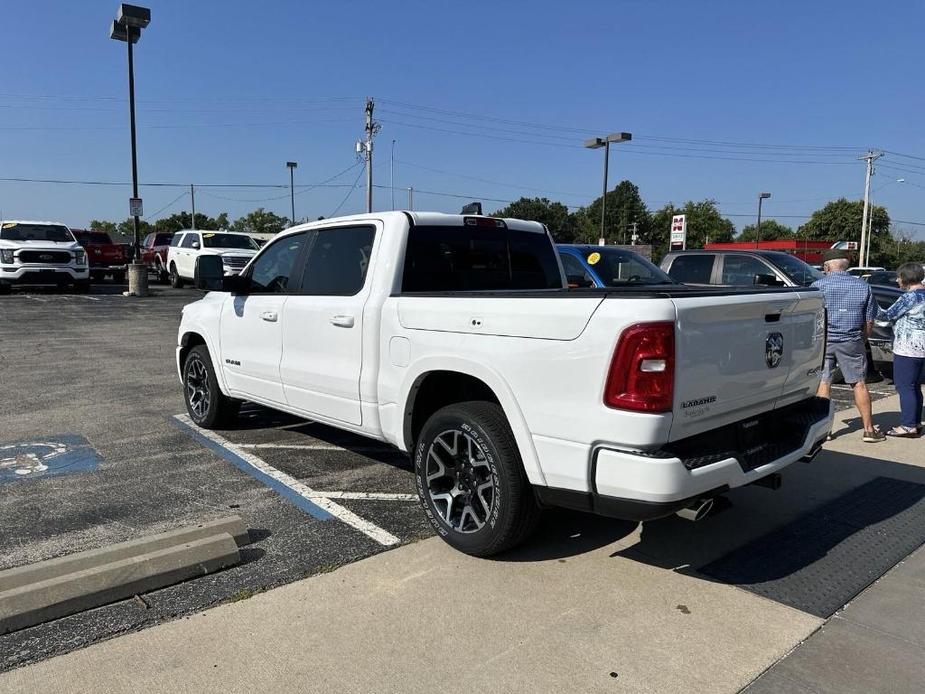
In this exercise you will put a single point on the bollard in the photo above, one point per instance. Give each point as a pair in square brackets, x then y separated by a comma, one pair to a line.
[137, 279]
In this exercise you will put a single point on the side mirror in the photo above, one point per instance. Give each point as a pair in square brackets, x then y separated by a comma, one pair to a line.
[767, 281]
[195, 245]
[209, 273]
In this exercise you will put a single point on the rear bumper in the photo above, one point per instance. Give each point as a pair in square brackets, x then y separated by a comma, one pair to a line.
[643, 486]
[43, 274]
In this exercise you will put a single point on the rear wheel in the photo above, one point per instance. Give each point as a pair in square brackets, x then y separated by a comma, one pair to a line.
[162, 275]
[471, 481]
[207, 406]
[175, 280]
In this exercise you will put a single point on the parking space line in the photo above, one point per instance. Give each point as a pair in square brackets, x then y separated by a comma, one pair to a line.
[287, 486]
[318, 447]
[366, 496]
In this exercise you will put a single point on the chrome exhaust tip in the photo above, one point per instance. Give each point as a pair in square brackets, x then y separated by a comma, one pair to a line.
[696, 511]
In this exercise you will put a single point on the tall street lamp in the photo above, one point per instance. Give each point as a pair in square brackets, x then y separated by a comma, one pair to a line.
[292, 167]
[127, 27]
[597, 143]
[761, 196]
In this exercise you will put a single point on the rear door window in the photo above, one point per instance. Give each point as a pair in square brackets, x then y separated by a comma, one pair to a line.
[189, 240]
[177, 238]
[470, 258]
[692, 269]
[740, 270]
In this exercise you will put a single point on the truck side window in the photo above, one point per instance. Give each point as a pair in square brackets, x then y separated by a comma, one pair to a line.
[270, 273]
[189, 240]
[337, 261]
[740, 270]
[692, 269]
[175, 241]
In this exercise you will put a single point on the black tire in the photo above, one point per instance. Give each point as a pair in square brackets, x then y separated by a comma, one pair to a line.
[118, 277]
[163, 277]
[483, 436]
[5, 288]
[200, 384]
[175, 280]
[82, 287]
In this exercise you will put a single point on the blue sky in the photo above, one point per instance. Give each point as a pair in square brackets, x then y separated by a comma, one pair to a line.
[725, 99]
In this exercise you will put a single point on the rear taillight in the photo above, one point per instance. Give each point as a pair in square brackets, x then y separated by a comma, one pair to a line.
[641, 374]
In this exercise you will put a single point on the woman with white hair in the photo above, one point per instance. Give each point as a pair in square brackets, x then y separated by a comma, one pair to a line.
[907, 315]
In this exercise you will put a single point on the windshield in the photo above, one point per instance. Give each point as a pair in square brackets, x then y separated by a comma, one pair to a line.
[618, 268]
[801, 273]
[229, 241]
[13, 231]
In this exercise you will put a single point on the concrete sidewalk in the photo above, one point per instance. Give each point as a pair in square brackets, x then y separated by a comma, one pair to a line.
[591, 605]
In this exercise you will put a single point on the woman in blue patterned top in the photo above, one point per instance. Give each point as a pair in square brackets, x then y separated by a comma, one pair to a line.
[907, 315]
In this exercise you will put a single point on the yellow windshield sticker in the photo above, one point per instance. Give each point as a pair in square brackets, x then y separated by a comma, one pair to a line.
[594, 258]
[207, 236]
[9, 225]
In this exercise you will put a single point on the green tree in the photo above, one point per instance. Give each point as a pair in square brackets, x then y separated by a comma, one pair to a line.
[554, 215]
[624, 206]
[896, 248]
[261, 221]
[105, 226]
[771, 230]
[126, 228]
[840, 220]
[184, 220]
[705, 224]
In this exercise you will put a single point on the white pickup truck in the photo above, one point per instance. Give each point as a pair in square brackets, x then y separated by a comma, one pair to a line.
[454, 338]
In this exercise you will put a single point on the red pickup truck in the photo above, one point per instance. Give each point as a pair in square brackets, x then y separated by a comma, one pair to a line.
[105, 257]
[154, 254]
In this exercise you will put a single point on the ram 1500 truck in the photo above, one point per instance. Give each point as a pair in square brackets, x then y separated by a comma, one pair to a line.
[455, 339]
[106, 257]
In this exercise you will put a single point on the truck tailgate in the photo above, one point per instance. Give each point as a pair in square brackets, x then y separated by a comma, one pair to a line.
[740, 355]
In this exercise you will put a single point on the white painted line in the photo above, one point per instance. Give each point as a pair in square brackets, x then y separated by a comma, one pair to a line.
[365, 496]
[317, 447]
[371, 530]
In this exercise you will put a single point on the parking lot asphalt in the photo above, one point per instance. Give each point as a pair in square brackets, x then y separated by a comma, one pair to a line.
[96, 373]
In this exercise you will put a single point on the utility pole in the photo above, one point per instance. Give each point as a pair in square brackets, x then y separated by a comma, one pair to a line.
[192, 197]
[372, 127]
[410, 197]
[870, 158]
[291, 165]
[634, 237]
[392, 175]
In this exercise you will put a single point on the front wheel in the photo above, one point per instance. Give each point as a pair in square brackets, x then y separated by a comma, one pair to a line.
[206, 405]
[471, 481]
[175, 280]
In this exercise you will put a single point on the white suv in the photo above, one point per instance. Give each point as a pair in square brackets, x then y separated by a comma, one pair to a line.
[41, 253]
[235, 249]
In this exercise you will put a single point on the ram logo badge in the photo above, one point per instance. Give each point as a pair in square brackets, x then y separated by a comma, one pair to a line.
[233, 362]
[774, 350]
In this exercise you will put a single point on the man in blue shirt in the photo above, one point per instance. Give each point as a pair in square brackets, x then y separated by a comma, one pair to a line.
[851, 311]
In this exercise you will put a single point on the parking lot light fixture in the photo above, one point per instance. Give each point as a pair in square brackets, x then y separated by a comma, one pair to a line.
[761, 196]
[129, 22]
[597, 143]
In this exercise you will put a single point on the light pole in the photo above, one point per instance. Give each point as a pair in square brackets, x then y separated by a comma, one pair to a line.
[597, 143]
[761, 196]
[127, 27]
[392, 175]
[292, 167]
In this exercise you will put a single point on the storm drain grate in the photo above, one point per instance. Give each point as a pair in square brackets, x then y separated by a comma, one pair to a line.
[823, 559]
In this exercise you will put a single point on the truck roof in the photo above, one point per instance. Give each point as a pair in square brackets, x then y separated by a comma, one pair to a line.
[422, 218]
[31, 221]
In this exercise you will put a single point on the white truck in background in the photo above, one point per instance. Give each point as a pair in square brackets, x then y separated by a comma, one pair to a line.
[454, 338]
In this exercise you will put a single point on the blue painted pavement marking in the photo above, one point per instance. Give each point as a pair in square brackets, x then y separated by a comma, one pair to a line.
[46, 456]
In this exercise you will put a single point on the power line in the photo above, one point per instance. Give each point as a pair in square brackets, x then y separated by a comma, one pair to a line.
[168, 205]
[350, 192]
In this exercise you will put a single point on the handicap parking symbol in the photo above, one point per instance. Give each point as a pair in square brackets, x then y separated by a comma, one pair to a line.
[61, 454]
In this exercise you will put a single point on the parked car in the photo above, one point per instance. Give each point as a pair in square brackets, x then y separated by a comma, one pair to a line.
[606, 266]
[41, 253]
[770, 268]
[455, 338]
[154, 254]
[886, 278]
[234, 249]
[105, 256]
[864, 272]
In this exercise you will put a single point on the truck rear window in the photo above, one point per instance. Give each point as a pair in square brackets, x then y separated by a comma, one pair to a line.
[457, 258]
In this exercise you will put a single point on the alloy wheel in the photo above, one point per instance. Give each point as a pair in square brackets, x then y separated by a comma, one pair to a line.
[198, 393]
[459, 481]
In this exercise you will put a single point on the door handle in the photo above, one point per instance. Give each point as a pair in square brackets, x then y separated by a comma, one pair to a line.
[342, 321]
[269, 316]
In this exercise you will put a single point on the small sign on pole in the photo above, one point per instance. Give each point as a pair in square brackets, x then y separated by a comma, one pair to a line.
[135, 208]
[678, 240]
[851, 246]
